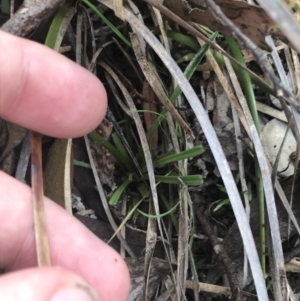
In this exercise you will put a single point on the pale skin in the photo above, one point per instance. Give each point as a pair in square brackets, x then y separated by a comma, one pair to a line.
[45, 92]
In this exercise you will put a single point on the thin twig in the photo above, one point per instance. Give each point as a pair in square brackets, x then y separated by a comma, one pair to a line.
[29, 16]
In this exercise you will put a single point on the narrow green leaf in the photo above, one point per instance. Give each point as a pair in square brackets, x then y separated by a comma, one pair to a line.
[191, 180]
[118, 192]
[82, 164]
[123, 152]
[184, 39]
[170, 157]
[127, 217]
[56, 23]
[221, 204]
[190, 153]
[114, 151]
[160, 215]
[5, 6]
[221, 188]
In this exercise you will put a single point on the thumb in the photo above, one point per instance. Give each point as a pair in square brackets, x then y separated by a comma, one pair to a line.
[45, 284]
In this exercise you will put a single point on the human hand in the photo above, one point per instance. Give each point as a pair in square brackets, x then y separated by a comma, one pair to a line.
[43, 91]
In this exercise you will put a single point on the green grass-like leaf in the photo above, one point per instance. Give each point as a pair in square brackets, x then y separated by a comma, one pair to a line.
[56, 23]
[221, 204]
[113, 150]
[122, 150]
[160, 215]
[127, 217]
[117, 194]
[184, 39]
[5, 6]
[190, 180]
[170, 158]
[190, 153]
[82, 164]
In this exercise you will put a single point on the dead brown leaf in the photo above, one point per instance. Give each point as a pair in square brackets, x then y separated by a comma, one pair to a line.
[250, 19]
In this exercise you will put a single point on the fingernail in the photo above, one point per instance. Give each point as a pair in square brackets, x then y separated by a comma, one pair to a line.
[77, 293]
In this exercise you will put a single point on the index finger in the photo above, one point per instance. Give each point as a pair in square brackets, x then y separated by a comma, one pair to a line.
[45, 92]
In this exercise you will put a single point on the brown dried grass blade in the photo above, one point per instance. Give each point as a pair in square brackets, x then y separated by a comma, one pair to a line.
[41, 236]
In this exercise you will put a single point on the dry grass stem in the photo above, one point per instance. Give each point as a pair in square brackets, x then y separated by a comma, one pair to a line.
[41, 236]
